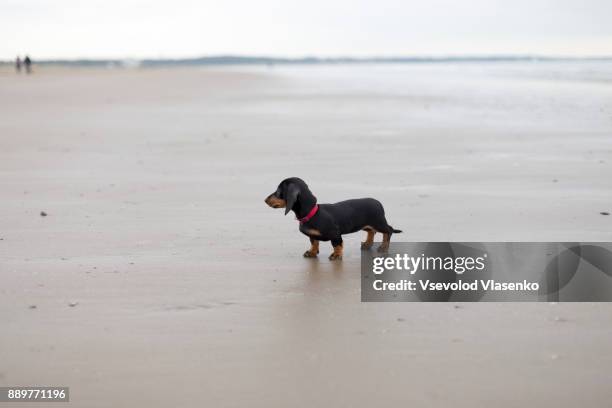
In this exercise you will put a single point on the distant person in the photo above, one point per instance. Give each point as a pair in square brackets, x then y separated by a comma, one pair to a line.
[28, 64]
[18, 64]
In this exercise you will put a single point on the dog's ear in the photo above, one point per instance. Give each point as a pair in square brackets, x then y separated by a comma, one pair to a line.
[291, 197]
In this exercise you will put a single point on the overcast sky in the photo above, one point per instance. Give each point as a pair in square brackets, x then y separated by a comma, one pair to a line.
[183, 28]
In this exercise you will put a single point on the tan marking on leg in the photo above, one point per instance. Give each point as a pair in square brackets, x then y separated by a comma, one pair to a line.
[384, 246]
[369, 240]
[337, 254]
[314, 249]
[314, 246]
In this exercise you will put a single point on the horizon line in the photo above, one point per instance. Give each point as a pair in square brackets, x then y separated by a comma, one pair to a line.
[309, 59]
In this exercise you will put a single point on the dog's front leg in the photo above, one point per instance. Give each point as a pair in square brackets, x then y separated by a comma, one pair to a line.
[338, 246]
[314, 249]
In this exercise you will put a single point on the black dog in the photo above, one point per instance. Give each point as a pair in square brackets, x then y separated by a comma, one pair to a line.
[327, 222]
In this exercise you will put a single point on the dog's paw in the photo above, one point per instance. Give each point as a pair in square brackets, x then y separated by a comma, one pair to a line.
[366, 245]
[384, 247]
[309, 254]
[335, 257]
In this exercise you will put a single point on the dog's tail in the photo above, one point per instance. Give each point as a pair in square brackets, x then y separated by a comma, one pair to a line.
[395, 231]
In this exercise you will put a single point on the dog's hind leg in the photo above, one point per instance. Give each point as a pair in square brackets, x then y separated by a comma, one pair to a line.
[367, 244]
[314, 249]
[384, 246]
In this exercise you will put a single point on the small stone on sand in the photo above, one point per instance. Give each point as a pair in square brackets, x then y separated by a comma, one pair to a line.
[43, 214]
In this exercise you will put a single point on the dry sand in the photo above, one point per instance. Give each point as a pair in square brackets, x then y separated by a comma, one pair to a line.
[187, 290]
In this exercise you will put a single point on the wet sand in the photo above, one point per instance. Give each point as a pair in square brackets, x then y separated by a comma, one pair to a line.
[159, 277]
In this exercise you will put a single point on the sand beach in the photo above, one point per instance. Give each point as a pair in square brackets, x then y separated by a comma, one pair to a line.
[159, 278]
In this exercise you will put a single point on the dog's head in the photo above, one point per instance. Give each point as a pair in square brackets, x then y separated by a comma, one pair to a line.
[287, 194]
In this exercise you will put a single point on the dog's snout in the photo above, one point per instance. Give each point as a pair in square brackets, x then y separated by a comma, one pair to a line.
[274, 201]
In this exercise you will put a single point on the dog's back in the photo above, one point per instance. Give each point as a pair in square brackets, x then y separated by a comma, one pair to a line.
[358, 214]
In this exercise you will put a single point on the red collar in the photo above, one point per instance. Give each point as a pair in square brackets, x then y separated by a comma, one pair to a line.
[309, 215]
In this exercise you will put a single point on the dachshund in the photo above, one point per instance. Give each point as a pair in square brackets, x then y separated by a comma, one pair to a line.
[328, 222]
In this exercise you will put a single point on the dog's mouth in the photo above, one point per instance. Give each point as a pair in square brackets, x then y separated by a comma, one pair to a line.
[275, 202]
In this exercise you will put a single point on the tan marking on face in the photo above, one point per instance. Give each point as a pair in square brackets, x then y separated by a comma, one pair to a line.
[275, 202]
